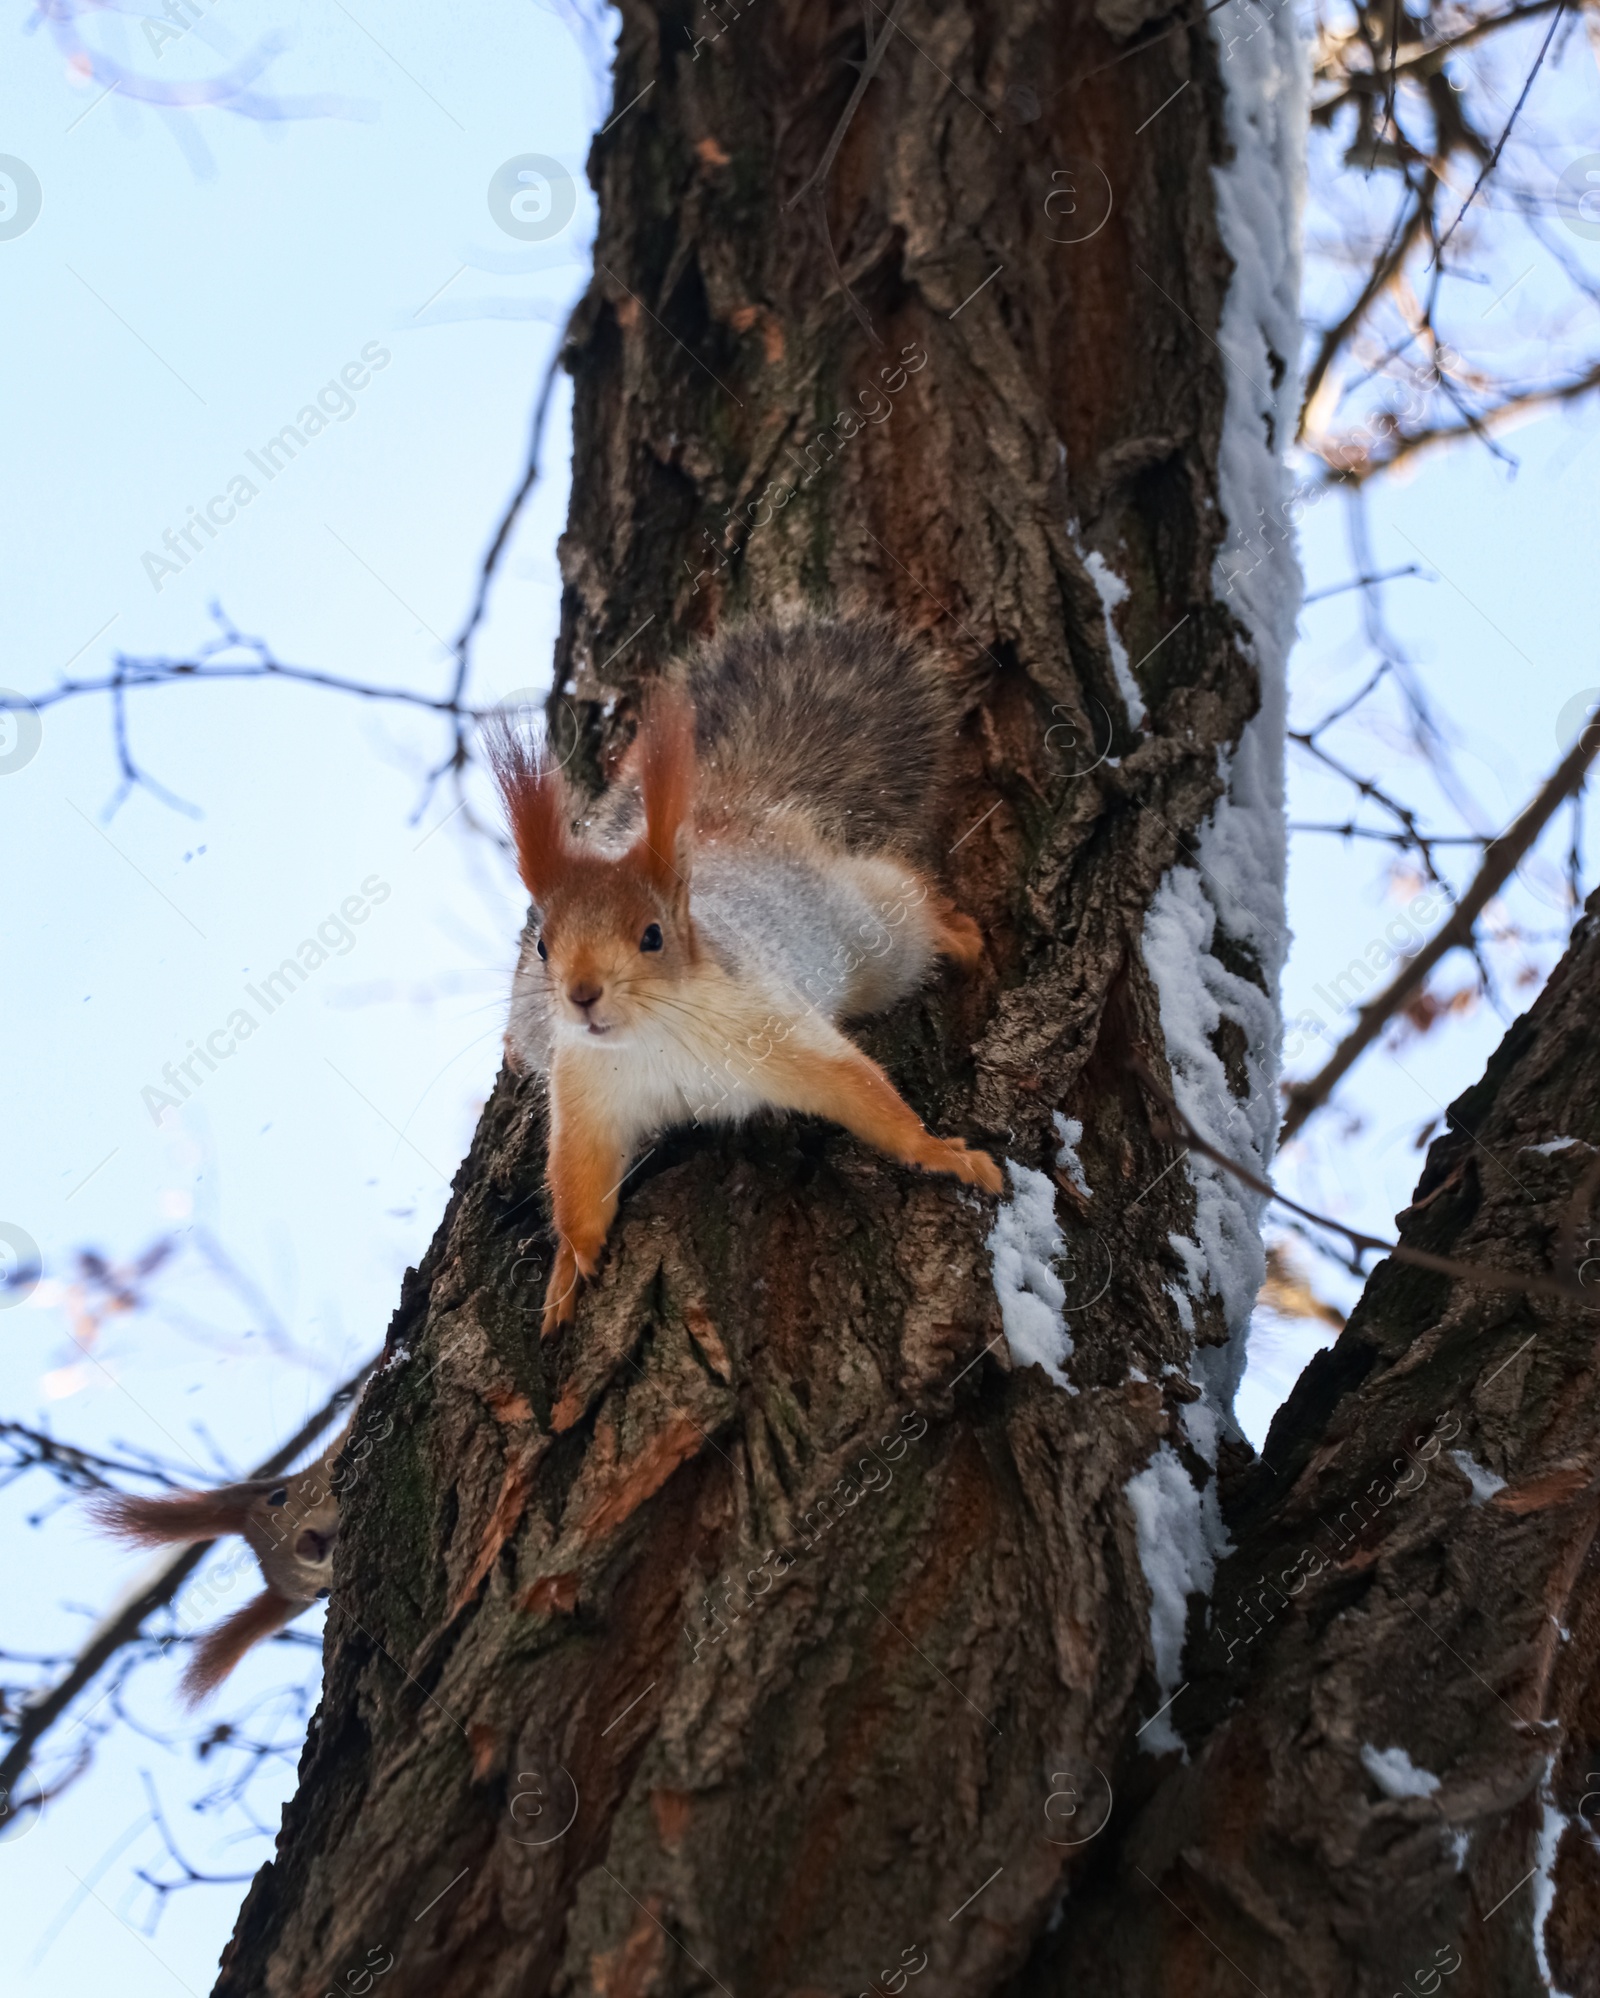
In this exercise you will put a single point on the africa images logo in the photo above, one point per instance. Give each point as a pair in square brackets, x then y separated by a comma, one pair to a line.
[183, 543]
[21, 197]
[334, 937]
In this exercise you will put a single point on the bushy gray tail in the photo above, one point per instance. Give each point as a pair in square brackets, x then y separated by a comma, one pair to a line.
[848, 719]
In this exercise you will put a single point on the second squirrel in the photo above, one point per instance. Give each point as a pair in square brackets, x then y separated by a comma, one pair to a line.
[753, 878]
[290, 1524]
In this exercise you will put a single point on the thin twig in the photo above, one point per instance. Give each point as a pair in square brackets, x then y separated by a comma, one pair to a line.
[1477, 1273]
[82, 1470]
[1415, 836]
[1365, 582]
[126, 1626]
[1499, 860]
[1349, 830]
[210, 663]
[1494, 158]
[869, 69]
[508, 520]
[817, 181]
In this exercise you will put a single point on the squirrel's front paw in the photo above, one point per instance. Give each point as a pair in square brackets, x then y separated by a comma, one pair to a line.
[959, 937]
[975, 1168]
[561, 1298]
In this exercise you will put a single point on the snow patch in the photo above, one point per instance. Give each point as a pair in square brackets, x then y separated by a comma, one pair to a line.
[1551, 1825]
[1395, 1774]
[1233, 878]
[1113, 591]
[1181, 1536]
[1553, 1145]
[1197, 992]
[1260, 194]
[1203, 1427]
[1484, 1483]
[1192, 1256]
[1184, 1307]
[1070, 1131]
[1459, 1842]
[1026, 1245]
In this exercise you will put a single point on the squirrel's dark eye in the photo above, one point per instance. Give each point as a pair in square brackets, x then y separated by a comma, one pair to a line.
[323, 1595]
[651, 940]
[539, 947]
[279, 1497]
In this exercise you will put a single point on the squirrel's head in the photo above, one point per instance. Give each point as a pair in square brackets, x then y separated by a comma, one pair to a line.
[290, 1524]
[608, 933]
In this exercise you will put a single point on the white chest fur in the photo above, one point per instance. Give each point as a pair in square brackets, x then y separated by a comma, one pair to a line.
[671, 1069]
[789, 937]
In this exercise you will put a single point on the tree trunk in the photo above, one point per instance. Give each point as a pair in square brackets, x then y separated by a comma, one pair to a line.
[1417, 1569]
[774, 1627]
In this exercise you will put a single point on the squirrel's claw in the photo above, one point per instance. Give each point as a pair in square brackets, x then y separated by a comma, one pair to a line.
[975, 1168]
[956, 935]
[561, 1298]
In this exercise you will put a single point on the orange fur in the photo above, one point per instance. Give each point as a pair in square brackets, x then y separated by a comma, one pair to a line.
[174, 1518]
[817, 1072]
[850, 1089]
[663, 760]
[795, 798]
[538, 804]
[956, 934]
[587, 1162]
[221, 1649]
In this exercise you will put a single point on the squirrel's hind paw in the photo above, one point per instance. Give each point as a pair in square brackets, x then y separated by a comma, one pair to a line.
[957, 936]
[561, 1298]
[975, 1168]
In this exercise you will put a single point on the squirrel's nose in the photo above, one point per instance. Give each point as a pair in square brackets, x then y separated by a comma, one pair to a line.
[584, 993]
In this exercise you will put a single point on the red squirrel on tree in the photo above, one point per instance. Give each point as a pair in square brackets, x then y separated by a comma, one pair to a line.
[756, 874]
[290, 1524]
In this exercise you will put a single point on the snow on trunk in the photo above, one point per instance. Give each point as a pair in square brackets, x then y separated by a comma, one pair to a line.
[1232, 885]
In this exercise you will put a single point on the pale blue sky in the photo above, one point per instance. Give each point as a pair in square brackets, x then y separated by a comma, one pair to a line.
[162, 321]
[191, 283]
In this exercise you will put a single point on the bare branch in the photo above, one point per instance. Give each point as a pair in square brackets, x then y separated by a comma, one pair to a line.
[1367, 582]
[1500, 858]
[1531, 1285]
[1349, 830]
[1414, 837]
[817, 181]
[1409, 227]
[1357, 464]
[80, 1470]
[1494, 158]
[868, 70]
[211, 661]
[126, 1625]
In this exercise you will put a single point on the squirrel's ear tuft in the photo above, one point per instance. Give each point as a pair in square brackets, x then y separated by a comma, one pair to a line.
[537, 804]
[663, 759]
[174, 1517]
[221, 1649]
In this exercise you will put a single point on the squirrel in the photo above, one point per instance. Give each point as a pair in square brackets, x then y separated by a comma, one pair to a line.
[791, 770]
[755, 874]
[290, 1524]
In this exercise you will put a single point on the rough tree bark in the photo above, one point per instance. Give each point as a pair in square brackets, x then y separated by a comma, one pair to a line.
[570, 1739]
[1417, 1568]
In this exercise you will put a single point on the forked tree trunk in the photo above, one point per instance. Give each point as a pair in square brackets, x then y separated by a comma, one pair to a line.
[773, 1628]
[1416, 1570]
